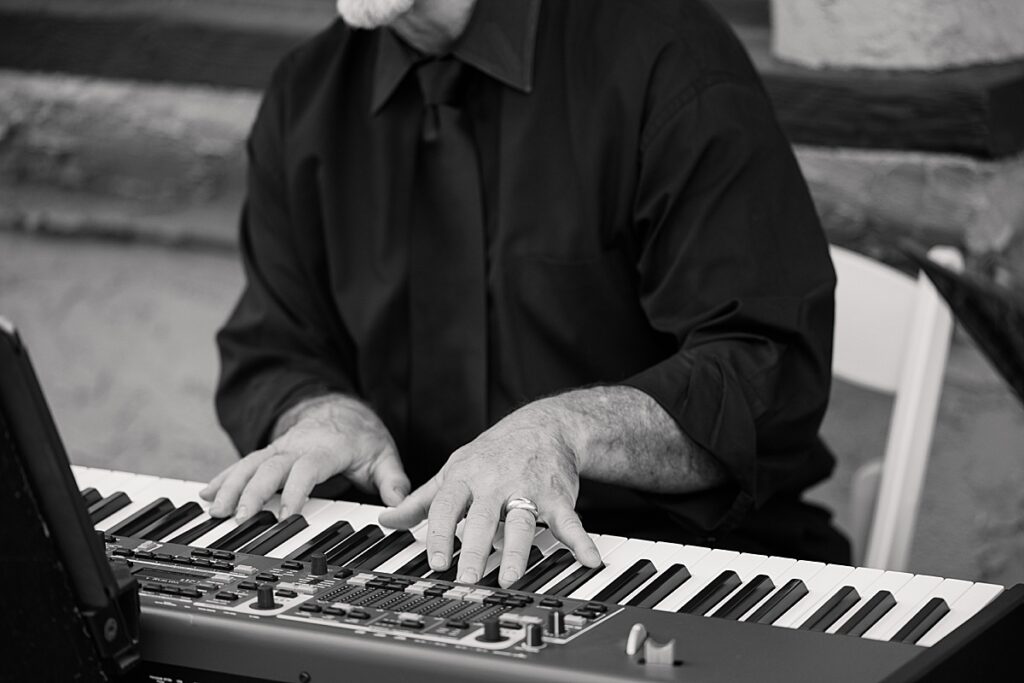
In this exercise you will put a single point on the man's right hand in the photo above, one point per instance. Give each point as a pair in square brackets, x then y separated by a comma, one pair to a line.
[318, 438]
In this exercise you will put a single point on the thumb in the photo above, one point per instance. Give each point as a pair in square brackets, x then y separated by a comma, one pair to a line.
[390, 479]
[413, 509]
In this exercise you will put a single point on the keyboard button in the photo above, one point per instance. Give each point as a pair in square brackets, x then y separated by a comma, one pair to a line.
[662, 585]
[868, 614]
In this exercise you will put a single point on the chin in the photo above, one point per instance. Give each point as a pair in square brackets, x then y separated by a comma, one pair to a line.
[372, 13]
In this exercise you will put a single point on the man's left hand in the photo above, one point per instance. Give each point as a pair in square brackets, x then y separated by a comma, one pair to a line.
[525, 455]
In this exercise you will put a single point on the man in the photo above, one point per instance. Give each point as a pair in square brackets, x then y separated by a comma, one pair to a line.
[617, 305]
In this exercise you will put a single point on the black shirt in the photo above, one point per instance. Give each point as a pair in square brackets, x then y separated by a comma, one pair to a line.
[646, 224]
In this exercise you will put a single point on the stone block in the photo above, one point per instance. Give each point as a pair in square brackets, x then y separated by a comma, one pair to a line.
[897, 34]
[936, 198]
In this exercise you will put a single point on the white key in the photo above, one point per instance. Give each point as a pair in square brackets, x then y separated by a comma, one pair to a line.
[859, 580]
[774, 568]
[701, 573]
[319, 517]
[819, 588]
[142, 489]
[606, 544]
[623, 557]
[966, 606]
[669, 554]
[230, 525]
[949, 590]
[913, 594]
[804, 570]
[888, 581]
[408, 554]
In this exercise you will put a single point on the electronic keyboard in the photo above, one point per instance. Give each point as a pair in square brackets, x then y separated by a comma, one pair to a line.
[329, 594]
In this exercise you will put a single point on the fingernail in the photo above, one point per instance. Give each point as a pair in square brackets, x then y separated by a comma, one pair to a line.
[467, 577]
[401, 492]
[437, 561]
[509, 577]
[241, 513]
[285, 512]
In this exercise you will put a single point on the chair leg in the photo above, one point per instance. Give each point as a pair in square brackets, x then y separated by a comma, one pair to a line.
[863, 498]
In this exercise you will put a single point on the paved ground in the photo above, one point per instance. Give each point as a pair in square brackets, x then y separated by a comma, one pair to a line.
[122, 336]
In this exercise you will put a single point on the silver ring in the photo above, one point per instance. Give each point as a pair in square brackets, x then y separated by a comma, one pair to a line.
[520, 503]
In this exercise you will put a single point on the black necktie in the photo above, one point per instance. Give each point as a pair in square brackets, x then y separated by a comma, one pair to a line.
[447, 287]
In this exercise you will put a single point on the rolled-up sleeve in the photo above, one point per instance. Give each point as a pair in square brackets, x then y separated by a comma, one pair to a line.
[282, 342]
[734, 265]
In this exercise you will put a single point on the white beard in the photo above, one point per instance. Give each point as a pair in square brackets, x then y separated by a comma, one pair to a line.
[372, 13]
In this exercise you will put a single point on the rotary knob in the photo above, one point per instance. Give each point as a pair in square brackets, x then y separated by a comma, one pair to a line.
[265, 597]
[556, 623]
[492, 632]
[318, 564]
[534, 636]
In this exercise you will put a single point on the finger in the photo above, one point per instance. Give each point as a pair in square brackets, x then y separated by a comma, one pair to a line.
[414, 509]
[520, 528]
[565, 524]
[234, 481]
[306, 473]
[210, 490]
[265, 481]
[390, 479]
[445, 513]
[498, 542]
[477, 534]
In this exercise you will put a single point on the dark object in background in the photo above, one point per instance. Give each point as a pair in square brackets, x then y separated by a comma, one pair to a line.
[993, 315]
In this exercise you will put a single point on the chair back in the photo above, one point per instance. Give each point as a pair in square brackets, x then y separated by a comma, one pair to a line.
[892, 335]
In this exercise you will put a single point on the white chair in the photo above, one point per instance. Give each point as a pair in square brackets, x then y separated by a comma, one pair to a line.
[892, 335]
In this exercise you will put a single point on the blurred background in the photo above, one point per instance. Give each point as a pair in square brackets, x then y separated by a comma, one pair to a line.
[122, 125]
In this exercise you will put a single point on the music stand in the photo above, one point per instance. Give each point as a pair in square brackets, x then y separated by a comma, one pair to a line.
[65, 613]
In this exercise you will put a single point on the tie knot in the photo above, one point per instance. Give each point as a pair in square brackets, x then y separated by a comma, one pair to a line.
[441, 81]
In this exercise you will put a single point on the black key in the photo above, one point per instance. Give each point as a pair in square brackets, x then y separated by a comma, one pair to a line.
[198, 531]
[660, 588]
[712, 594]
[102, 509]
[745, 599]
[374, 557]
[922, 622]
[245, 532]
[420, 566]
[351, 547]
[450, 573]
[491, 579]
[628, 581]
[322, 541]
[545, 570]
[791, 593]
[142, 518]
[834, 608]
[570, 583]
[872, 610]
[90, 496]
[171, 522]
[276, 535]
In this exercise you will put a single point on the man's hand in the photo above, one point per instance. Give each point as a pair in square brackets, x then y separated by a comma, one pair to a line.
[322, 437]
[524, 455]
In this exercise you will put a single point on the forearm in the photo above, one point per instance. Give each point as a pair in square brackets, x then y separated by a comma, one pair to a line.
[620, 435]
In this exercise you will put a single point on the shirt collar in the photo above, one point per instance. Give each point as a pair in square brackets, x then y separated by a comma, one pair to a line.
[499, 41]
